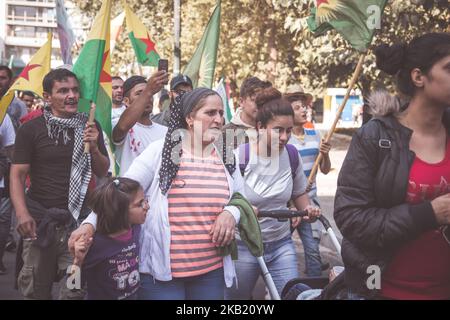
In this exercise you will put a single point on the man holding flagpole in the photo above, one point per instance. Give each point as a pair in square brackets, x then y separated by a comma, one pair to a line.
[50, 149]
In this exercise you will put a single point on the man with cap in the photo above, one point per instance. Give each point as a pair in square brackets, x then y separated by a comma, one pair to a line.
[134, 131]
[179, 84]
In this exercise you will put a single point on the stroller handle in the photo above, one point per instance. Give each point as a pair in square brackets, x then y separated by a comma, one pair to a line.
[287, 214]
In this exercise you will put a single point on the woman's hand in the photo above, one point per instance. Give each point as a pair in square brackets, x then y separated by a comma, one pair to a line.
[295, 222]
[441, 208]
[313, 213]
[223, 230]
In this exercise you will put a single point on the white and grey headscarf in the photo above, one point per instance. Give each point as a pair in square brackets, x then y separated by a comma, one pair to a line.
[80, 172]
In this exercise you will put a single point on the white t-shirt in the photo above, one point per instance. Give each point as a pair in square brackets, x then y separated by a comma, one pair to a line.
[7, 137]
[136, 140]
[115, 115]
[269, 185]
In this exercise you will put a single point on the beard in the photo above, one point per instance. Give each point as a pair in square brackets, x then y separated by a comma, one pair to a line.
[115, 101]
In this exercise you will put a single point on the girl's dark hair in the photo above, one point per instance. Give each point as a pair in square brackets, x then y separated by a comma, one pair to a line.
[422, 53]
[270, 103]
[111, 202]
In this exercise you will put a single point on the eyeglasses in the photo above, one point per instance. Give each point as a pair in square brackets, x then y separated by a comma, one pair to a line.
[180, 92]
[144, 204]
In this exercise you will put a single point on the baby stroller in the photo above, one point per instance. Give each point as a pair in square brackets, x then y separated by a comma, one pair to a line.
[312, 282]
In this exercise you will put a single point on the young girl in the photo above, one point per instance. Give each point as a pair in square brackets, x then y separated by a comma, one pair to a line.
[110, 268]
[190, 217]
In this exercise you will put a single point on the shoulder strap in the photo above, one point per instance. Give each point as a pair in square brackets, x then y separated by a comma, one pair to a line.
[244, 157]
[294, 158]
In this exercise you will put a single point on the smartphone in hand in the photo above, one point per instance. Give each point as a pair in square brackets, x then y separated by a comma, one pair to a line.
[163, 64]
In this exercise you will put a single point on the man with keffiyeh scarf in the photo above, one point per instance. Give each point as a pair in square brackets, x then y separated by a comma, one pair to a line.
[51, 149]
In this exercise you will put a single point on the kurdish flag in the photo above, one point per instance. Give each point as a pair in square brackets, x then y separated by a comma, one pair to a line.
[203, 63]
[30, 79]
[93, 69]
[355, 20]
[143, 46]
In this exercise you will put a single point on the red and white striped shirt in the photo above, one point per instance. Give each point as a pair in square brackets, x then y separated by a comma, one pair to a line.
[198, 194]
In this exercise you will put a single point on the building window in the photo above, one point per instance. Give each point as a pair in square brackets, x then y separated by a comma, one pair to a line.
[31, 14]
[22, 31]
[21, 11]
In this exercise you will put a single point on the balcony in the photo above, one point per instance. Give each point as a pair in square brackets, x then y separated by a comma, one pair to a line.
[39, 21]
[36, 3]
[30, 42]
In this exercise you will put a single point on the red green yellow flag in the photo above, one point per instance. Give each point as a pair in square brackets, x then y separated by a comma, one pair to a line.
[30, 79]
[139, 36]
[93, 69]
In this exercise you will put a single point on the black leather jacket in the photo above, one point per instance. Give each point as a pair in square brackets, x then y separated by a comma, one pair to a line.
[370, 208]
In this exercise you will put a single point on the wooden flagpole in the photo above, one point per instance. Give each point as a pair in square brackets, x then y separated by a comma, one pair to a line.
[91, 120]
[356, 74]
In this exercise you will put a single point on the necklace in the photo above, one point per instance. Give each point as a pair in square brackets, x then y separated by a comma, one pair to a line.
[300, 137]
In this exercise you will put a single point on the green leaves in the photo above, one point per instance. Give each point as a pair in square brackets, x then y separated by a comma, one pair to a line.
[246, 41]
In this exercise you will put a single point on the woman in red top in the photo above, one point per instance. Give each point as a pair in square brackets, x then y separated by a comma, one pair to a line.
[392, 202]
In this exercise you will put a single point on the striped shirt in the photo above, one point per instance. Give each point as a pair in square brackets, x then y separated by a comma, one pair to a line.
[308, 148]
[198, 194]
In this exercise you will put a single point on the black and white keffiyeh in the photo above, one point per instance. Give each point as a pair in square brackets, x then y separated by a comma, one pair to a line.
[80, 172]
[183, 105]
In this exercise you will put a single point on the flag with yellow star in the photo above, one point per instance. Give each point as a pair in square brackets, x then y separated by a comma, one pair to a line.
[139, 36]
[355, 20]
[30, 79]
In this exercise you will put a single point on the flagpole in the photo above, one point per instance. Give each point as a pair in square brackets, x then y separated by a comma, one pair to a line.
[353, 80]
[90, 121]
[177, 29]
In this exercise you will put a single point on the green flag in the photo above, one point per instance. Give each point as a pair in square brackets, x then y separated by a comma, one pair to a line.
[222, 91]
[355, 20]
[203, 63]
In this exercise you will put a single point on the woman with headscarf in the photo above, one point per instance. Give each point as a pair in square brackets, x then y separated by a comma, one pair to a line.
[188, 183]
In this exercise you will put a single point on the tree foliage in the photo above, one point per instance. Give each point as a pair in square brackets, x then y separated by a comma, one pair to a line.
[270, 39]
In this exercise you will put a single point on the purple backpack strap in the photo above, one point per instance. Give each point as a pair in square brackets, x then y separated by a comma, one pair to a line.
[294, 158]
[244, 157]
